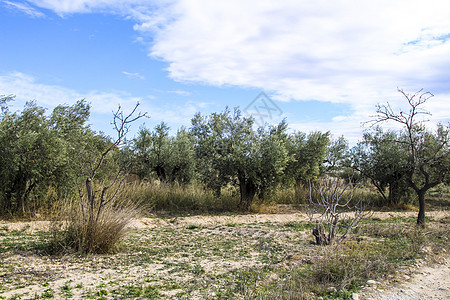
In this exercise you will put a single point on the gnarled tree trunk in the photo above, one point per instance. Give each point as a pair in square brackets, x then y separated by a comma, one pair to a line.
[248, 191]
[421, 215]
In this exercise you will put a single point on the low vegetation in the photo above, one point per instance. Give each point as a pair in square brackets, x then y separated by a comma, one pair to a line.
[219, 257]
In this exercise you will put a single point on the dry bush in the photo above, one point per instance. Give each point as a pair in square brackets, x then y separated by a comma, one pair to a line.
[75, 230]
[334, 210]
[100, 234]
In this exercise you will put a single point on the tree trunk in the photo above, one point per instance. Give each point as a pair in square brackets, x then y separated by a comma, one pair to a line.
[394, 195]
[421, 216]
[24, 197]
[248, 191]
[20, 189]
[90, 194]
[333, 226]
[161, 173]
[319, 234]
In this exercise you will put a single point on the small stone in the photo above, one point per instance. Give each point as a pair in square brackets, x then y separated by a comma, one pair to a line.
[355, 296]
[406, 277]
[331, 289]
[426, 250]
[371, 282]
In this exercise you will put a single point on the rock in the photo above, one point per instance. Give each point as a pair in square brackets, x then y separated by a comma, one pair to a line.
[331, 289]
[371, 283]
[406, 277]
[426, 250]
[355, 296]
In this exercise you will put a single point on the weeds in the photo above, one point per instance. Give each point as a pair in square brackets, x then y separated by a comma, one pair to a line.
[348, 265]
[259, 260]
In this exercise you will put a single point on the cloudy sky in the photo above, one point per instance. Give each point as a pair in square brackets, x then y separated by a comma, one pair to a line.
[323, 65]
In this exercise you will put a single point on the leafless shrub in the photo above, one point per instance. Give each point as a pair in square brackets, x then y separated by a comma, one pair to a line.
[98, 220]
[335, 211]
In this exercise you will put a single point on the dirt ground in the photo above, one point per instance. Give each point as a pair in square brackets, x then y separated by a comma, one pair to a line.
[426, 282]
[205, 220]
[98, 277]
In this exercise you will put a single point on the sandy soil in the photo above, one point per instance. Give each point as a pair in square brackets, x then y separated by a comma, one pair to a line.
[427, 282]
[204, 220]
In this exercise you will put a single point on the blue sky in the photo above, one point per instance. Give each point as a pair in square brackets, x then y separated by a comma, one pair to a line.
[324, 64]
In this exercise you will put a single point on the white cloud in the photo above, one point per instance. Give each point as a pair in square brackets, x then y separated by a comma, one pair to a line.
[65, 7]
[339, 51]
[27, 88]
[179, 92]
[133, 75]
[25, 8]
[345, 51]
[302, 49]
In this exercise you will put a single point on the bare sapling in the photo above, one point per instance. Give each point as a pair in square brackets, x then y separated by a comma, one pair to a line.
[99, 220]
[428, 153]
[335, 212]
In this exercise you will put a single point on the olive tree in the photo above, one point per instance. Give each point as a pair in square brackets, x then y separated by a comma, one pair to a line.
[35, 152]
[384, 162]
[229, 151]
[170, 158]
[428, 161]
[308, 154]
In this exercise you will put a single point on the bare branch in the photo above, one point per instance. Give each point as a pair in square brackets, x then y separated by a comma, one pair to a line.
[333, 210]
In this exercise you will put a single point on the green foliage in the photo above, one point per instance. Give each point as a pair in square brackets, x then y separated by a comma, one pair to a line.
[36, 153]
[307, 157]
[382, 160]
[171, 159]
[229, 151]
[337, 156]
[428, 154]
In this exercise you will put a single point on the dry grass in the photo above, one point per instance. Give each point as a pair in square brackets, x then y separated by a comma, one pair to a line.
[180, 258]
[350, 264]
[81, 230]
[157, 196]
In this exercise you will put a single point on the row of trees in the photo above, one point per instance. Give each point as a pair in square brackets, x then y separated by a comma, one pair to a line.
[224, 149]
[40, 153]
